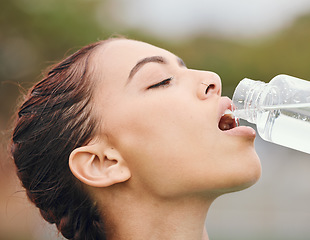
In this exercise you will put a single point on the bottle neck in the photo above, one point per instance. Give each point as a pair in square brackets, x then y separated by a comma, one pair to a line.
[247, 98]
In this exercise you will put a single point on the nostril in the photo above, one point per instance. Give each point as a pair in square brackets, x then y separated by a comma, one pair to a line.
[211, 86]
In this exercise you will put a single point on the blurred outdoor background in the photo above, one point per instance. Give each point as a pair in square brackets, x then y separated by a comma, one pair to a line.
[257, 39]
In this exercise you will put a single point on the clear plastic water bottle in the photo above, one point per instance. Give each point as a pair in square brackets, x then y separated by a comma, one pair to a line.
[280, 109]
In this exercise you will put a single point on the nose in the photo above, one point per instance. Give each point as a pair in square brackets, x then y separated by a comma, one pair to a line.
[209, 83]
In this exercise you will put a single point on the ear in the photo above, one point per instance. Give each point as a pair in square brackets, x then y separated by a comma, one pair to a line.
[98, 166]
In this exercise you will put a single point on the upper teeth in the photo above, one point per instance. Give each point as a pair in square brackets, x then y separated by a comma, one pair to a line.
[228, 112]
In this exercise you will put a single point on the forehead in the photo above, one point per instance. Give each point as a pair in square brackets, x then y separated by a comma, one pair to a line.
[116, 58]
[129, 50]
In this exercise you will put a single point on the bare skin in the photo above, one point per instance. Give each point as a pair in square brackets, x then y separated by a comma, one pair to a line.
[161, 158]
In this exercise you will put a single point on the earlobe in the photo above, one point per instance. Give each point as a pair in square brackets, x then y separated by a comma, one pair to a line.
[98, 167]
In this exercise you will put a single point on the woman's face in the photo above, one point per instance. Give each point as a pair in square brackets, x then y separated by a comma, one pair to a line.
[164, 121]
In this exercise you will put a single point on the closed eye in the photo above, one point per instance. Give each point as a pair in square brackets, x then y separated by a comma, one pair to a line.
[163, 83]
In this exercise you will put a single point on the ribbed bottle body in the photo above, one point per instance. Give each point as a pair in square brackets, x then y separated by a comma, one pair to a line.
[280, 109]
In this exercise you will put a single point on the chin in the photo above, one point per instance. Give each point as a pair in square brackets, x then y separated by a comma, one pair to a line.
[246, 183]
[251, 173]
[247, 171]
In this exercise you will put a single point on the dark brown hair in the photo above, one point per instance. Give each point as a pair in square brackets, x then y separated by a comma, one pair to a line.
[55, 118]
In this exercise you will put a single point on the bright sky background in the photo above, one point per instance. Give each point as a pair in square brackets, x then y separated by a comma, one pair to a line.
[231, 18]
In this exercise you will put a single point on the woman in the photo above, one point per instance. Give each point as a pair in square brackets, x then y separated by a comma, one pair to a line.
[122, 141]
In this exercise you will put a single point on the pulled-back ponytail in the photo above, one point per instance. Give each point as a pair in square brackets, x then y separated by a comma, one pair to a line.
[56, 118]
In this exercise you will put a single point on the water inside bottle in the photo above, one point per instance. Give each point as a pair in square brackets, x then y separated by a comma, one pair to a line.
[287, 125]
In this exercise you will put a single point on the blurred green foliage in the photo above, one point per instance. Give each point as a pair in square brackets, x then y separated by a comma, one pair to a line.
[285, 52]
[36, 33]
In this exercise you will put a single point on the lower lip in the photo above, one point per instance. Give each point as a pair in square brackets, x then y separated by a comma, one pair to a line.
[243, 131]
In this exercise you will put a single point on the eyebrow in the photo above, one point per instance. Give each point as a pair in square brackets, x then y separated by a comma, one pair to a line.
[154, 59]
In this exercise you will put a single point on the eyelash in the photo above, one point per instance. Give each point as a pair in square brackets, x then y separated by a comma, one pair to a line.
[164, 83]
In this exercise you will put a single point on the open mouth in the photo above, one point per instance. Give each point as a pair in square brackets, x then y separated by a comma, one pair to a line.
[228, 121]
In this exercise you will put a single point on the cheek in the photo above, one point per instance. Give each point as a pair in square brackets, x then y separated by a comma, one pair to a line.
[165, 143]
[174, 146]
[166, 124]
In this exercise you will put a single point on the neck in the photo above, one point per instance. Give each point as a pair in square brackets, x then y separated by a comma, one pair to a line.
[154, 219]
